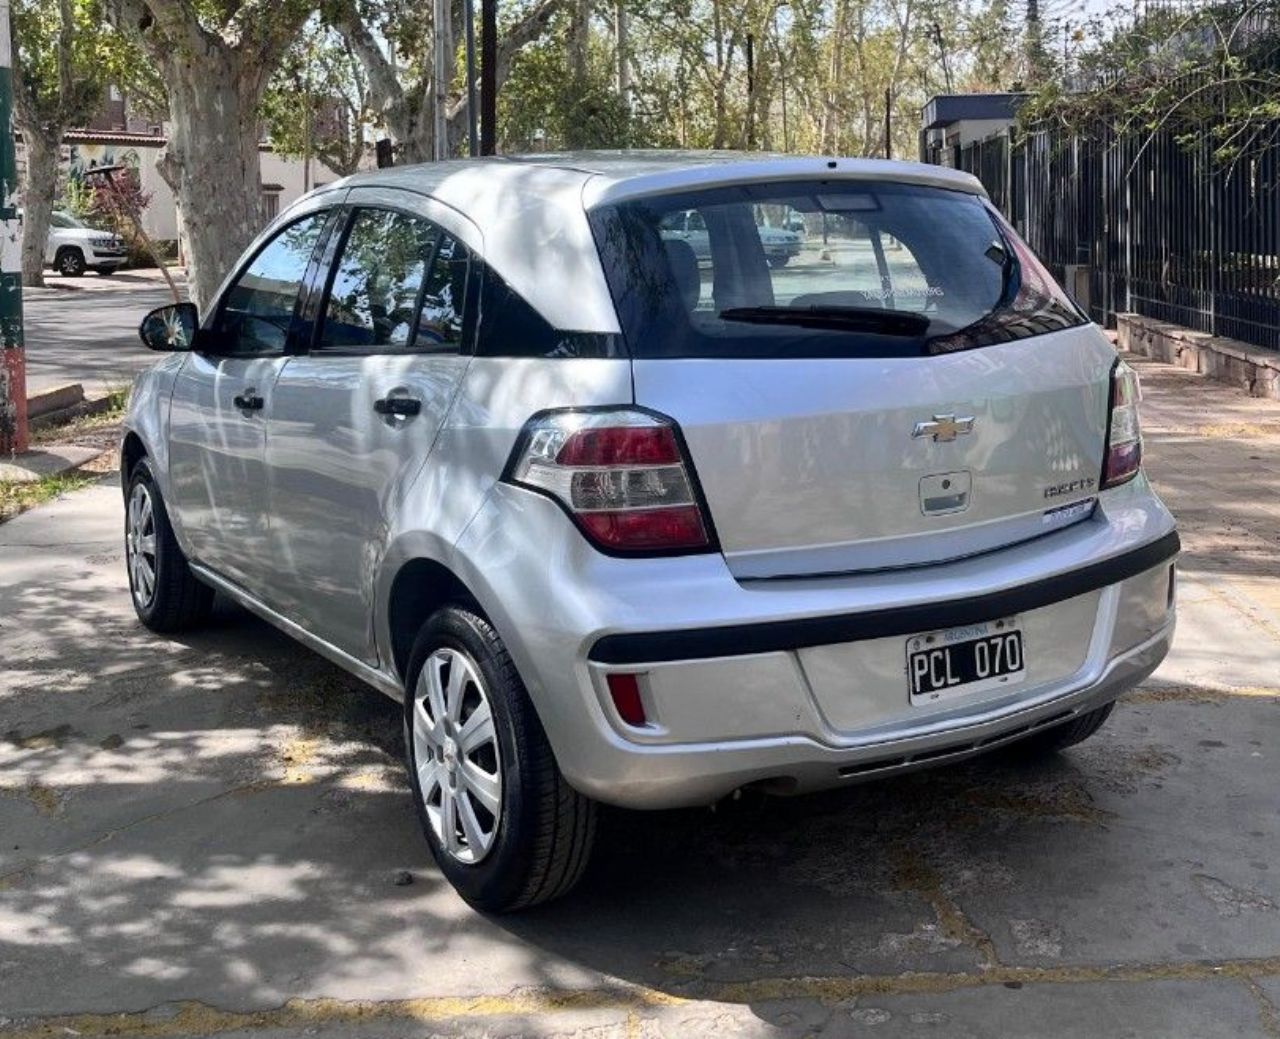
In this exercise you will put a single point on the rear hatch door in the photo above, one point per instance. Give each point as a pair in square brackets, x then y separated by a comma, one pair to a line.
[911, 387]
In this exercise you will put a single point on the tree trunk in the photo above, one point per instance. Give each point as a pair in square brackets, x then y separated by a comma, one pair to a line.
[37, 202]
[622, 49]
[579, 28]
[835, 81]
[211, 162]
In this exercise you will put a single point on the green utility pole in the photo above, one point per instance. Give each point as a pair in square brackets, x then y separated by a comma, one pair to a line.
[13, 363]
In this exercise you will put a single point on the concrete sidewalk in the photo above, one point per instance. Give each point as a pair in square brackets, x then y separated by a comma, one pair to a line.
[203, 835]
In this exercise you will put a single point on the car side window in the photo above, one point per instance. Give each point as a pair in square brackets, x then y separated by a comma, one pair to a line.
[377, 281]
[257, 310]
[440, 317]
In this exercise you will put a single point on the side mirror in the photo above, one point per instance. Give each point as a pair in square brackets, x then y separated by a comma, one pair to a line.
[170, 328]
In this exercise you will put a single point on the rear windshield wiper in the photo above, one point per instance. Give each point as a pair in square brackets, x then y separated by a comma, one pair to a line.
[855, 319]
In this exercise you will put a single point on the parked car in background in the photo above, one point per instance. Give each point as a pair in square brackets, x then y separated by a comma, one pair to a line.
[618, 526]
[780, 245]
[74, 247]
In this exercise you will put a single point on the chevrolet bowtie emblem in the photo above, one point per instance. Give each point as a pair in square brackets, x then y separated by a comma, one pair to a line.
[943, 428]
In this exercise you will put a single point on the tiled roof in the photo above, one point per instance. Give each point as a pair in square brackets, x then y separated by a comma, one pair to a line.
[113, 137]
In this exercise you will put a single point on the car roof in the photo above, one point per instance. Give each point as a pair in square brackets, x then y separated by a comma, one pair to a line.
[531, 210]
[616, 174]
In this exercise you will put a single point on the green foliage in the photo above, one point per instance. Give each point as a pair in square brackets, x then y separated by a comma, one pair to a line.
[77, 198]
[318, 101]
[820, 72]
[1207, 75]
[820, 76]
[58, 85]
[543, 107]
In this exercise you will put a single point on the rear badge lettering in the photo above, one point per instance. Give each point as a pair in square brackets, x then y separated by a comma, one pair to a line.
[1085, 483]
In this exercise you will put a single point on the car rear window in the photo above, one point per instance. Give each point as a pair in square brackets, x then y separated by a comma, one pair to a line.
[821, 269]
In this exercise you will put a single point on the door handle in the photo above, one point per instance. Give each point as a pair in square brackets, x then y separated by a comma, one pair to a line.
[397, 406]
[248, 401]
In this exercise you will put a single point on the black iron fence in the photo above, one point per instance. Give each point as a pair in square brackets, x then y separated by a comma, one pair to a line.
[1145, 223]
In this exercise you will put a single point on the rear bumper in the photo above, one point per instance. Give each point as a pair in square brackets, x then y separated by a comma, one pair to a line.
[801, 685]
[682, 775]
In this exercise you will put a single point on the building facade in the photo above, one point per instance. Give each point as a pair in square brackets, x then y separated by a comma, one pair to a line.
[283, 179]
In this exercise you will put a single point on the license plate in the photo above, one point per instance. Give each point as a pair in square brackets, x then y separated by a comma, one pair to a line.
[943, 664]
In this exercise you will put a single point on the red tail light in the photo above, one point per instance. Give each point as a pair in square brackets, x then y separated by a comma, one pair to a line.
[621, 474]
[1124, 432]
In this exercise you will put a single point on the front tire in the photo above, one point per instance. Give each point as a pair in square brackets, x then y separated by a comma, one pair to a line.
[506, 829]
[166, 595]
[70, 262]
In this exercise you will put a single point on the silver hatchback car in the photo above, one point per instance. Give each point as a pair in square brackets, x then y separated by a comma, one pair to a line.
[622, 521]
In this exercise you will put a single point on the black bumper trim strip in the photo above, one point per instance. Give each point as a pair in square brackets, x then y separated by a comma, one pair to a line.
[653, 647]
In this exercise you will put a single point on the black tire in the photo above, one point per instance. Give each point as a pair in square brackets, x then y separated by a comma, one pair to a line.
[105, 272]
[1068, 734]
[778, 262]
[544, 829]
[70, 262]
[176, 600]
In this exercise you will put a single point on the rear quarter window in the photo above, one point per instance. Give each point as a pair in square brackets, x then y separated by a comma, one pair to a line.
[510, 326]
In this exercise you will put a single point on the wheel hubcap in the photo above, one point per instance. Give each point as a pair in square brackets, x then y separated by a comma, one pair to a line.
[455, 749]
[140, 545]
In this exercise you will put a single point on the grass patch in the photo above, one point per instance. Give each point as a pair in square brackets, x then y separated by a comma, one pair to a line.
[18, 497]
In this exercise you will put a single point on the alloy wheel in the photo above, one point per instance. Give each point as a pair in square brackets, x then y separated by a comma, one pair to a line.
[140, 545]
[455, 749]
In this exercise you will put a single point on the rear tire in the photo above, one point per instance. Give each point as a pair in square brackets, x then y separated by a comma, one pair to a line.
[483, 745]
[70, 262]
[166, 595]
[1060, 737]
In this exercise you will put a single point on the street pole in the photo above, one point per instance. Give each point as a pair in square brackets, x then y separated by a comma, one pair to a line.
[13, 370]
[888, 122]
[488, 77]
[782, 75]
[473, 117]
[307, 125]
[440, 27]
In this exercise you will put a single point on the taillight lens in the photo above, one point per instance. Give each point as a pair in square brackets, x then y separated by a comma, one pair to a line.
[1124, 432]
[620, 473]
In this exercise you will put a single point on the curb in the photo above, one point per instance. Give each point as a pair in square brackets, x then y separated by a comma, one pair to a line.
[34, 466]
[60, 398]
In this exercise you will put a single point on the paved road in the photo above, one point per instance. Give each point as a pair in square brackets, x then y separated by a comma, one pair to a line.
[200, 836]
[85, 329]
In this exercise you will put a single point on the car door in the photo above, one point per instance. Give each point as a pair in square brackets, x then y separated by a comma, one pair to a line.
[354, 419]
[221, 400]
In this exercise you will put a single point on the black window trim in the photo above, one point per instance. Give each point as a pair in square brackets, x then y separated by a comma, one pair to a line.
[324, 286]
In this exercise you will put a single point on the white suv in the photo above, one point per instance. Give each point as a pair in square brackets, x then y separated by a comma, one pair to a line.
[617, 525]
[74, 247]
